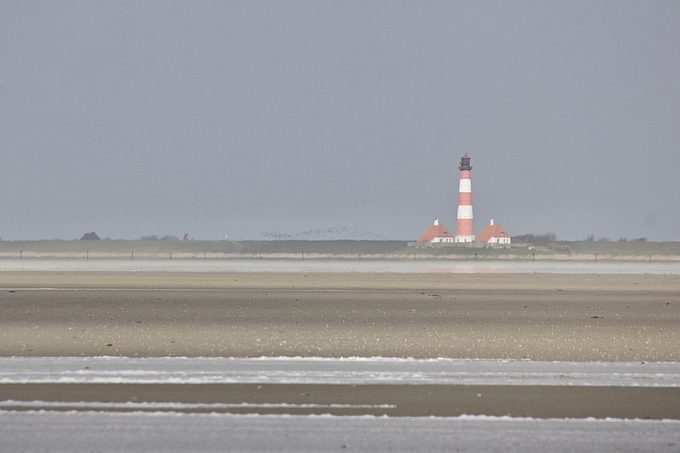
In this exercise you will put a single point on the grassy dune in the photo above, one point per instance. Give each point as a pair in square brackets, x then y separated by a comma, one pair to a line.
[341, 247]
[195, 249]
[114, 248]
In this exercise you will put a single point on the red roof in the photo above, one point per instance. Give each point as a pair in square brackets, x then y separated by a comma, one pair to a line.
[492, 230]
[436, 230]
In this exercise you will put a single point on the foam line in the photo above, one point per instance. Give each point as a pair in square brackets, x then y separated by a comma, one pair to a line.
[180, 406]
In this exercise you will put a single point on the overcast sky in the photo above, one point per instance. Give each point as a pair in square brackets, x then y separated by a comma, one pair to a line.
[219, 118]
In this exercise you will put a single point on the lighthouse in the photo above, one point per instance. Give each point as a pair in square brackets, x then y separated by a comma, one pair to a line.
[465, 231]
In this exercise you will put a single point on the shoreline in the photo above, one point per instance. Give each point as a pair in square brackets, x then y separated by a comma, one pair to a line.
[324, 281]
[135, 255]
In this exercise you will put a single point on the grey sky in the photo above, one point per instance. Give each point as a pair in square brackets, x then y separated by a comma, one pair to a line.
[240, 118]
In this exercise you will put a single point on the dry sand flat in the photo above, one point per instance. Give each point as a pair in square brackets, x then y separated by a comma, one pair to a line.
[535, 316]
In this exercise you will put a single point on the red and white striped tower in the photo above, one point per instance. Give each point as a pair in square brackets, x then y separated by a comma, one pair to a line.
[465, 230]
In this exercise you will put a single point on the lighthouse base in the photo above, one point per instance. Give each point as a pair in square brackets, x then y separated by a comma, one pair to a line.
[464, 239]
[460, 245]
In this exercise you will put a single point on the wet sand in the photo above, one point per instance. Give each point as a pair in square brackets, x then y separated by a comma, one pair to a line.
[516, 316]
[376, 400]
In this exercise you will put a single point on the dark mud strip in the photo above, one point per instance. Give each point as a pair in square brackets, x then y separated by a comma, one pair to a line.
[391, 400]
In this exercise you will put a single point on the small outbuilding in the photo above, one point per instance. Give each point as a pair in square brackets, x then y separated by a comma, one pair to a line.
[90, 237]
[494, 236]
[436, 233]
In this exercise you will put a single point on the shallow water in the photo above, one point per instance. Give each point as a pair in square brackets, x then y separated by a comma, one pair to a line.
[64, 425]
[318, 265]
[169, 432]
[317, 370]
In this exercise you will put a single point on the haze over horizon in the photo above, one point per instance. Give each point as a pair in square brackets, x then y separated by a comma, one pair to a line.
[235, 118]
